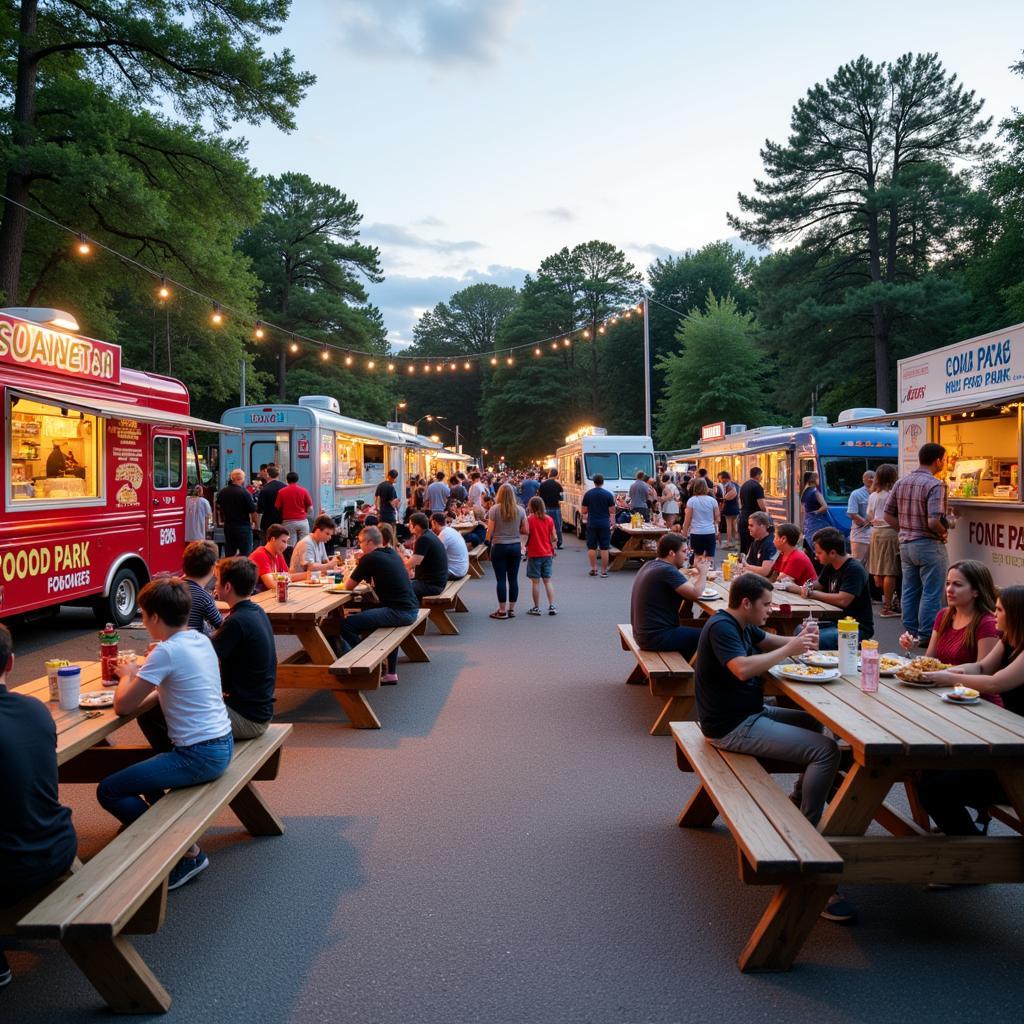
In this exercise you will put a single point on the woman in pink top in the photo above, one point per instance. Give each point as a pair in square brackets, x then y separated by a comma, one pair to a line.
[965, 631]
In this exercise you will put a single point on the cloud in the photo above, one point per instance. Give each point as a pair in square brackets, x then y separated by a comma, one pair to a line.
[560, 213]
[660, 252]
[431, 222]
[402, 299]
[395, 234]
[441, 32]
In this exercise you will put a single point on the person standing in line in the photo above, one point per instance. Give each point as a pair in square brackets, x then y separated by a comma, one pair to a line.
[669, 500]
[752, 500]
[237, 510]
[700, 522]
[816, 515]
[540, 554]
[860, 525]
[550, 492]
[506, 525]
[917, 509]
[597, 506]
[437, 494]
[386, 498]
[269, 514]
[884, 552]
[638, 497]
[730, 510]
[197, 515]
[293, 502]
[384, 569]
[37, 840]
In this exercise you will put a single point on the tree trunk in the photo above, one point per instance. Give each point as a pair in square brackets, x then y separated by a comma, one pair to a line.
[15, 219]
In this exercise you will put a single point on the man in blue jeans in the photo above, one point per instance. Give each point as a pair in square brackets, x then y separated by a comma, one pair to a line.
[732, 654]
[917, 508]
[384, 569]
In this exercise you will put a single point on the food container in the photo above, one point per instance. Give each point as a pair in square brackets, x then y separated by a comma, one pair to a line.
[109, 639]
[849, 634]
[869, 666]
[51, 675]
[69, 686]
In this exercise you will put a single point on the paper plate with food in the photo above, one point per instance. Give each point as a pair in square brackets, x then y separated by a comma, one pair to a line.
[890, 664]
[962, 695]
[823, 659]
[916, 673]
[97, 699]
[710, 594]
[805, 673]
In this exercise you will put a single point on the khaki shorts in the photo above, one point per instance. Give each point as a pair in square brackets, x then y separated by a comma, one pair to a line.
[244, 728]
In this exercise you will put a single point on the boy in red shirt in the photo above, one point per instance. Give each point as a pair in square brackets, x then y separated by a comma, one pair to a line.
[792, 562]
[540, 554]
[269, 559]
[293, 502]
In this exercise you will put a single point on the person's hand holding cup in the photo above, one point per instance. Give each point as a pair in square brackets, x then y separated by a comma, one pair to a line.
[804, 642]
[908, 640]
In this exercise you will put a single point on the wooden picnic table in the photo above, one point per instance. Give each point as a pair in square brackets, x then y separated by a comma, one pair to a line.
[634, 546]
[898, 731]
[785, 625]
[305, 615]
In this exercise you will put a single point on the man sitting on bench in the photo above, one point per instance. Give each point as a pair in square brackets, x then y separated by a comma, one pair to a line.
[657, 591]
[454, 546]
[732, 654]
[428, 562]
[399, 605]
[37, 840]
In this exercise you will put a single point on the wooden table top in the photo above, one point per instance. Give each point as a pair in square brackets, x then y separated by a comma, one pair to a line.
[801, 606]
[907, 721]
[75, 731]
[467, 525]
[304, 604]
[647, 530]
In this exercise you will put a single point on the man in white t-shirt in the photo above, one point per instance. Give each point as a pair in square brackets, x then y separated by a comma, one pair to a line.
[310, 553]
[477, 490]
[182, 675]
[454, 544]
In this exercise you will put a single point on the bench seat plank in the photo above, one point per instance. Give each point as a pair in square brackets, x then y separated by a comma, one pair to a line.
[669, 676]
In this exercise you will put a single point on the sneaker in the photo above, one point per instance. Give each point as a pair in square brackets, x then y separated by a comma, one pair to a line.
[389, 679]
[604, 575]
[593, 572]
[534, 611]
[187, 868]
[838, 910]
[552, 610]
[888, 613]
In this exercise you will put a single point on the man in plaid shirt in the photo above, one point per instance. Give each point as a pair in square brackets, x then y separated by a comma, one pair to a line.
[917, 508]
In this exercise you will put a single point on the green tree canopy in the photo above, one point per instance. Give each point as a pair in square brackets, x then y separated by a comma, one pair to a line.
[717, 374]
[866, 184]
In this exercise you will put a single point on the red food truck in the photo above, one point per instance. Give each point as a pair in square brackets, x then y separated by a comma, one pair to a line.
[98, 460]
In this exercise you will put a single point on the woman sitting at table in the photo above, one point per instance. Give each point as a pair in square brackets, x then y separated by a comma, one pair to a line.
[965, 631]
[946, 795]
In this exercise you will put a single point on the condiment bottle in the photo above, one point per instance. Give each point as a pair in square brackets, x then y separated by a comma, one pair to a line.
[869, 666]
[849, 633]
[109, 640]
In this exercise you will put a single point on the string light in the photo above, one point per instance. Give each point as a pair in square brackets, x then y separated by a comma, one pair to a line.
[586, 334]
[426, 367]
[163, 292]
[567, 342]
[412, 368]
[537, 351]
[293, 347]
[216, 317]
[600, 329]
[554, 346]
[466, 365]
[83, 247]
[325, 355]
[440, 367]
[258, 333]
[391, 367]
[454, 366]
[510, 360]
[370, 365]
[348, 360]
[494, 360]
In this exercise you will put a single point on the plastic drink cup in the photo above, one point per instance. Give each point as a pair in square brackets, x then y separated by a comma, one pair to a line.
[314, 576]
[849, 634]
[727, 570]
[69, 686]
[109, 640]
[869, 663]
[51, 675]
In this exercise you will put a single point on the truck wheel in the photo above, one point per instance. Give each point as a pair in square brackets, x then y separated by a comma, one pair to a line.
[120, 605]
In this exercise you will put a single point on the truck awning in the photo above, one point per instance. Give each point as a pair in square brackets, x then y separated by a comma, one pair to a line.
[123, 411]
[923, 414]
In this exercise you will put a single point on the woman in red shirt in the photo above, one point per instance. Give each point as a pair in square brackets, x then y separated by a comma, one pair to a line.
[540, 554]
[965, 631]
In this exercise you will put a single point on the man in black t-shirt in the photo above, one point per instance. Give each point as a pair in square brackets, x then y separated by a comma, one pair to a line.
[246, 651]
[386, 498]
[237, 509]
[550, 492]
[37, 839]
[658, 590]
[843, 583]
[733, 652]
[384, 569]
[762, 554]
[429, 560]
[269, 512]
[751, 500]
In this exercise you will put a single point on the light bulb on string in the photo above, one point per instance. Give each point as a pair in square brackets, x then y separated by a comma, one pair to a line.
[293, 347]
[639, 307]
[216, 317]
[83, 247]
[453, 366]
[258, 333]
[163, 292]
[586, 334]
[567, 342]
[628, 313]
[426, 367]
[554, 346]
[440, 367]
[411, 369]
[536, 351]
[600, 329]
[370, 365]
[510, 360]
[324, 354]
[348, 360]
[466, 365]
[494, 360]
[391, 367]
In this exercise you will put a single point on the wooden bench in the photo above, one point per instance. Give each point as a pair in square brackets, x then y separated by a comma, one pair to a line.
[123, 889]
[669, 675]
[476, 555]
[449, 600]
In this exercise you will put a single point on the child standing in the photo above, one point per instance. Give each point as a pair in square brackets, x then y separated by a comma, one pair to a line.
[540, 554]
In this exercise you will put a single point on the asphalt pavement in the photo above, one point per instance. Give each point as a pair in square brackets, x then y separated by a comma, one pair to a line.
[504, 849]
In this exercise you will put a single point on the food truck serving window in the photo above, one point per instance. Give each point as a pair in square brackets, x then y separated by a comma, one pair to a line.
[54, 453]
[349, 458]
[982, 456]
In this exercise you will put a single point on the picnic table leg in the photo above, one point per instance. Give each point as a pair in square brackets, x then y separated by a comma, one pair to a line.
[676, 709]
[700, 812]
[115, 969]
[315, 644]
[252, 811]
[619, 562]
[636, 677]
[460, 605]
[413, 649]
[443, 621]
[796, 906]
[474, 569]
[1013, 783]
[357, 709]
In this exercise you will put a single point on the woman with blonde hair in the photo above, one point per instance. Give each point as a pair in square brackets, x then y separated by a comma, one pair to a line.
[884, 550]
[506, 524]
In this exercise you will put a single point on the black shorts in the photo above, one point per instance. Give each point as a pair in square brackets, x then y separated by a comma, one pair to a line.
[599, 537]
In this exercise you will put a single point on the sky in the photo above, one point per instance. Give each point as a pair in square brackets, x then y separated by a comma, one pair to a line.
[479, 136]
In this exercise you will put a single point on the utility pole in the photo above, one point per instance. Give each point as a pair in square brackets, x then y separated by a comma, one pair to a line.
[243, 384]
[647, 368]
